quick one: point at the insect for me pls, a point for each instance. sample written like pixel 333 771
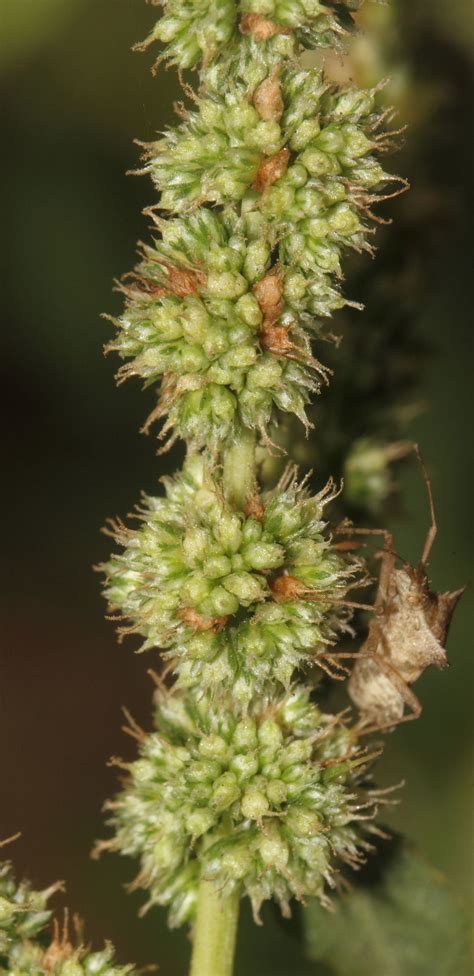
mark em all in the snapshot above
pixel 406 635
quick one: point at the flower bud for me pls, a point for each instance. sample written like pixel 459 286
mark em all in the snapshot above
pixel 270 735
pixel 273 850
pixel 226 284
pixel 261 555
pixel 319 163
pixel 245 587
pixel 343 220
pixel 256 260
pixel 236 862
pixel 244 766
pixel 306 132
pixel 223 601
pixel 254 804
pixel 200 822
pixel 277 792
pixel 217 566
pixel 245 734
pixel 213 747
pixel 225 792
pixel 248 310
pixel 304 823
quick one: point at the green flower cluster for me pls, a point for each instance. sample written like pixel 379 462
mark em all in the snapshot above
pixel 268 802
pixel 193 317
pixel 25 947
pixel 264 184
pixel 198 30
pixel 238 600
pixel 23 912
pixel 215 154
pixel 194 30
pixel 294 174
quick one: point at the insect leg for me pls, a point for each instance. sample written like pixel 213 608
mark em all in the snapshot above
pixel 433 529
pixel 388 557
pixel 405 693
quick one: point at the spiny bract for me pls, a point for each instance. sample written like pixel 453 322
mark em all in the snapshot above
pixel 26 947
pixel 268 802
pixel 237 599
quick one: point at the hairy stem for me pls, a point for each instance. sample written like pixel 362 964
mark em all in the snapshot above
pixel 215 932
pixel 239 469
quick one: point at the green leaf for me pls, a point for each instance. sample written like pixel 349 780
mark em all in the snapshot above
pixel 399 919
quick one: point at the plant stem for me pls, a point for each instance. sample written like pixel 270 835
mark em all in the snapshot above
pixel 215 932
pixel 239 469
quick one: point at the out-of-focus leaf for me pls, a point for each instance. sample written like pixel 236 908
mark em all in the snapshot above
pixel 400 919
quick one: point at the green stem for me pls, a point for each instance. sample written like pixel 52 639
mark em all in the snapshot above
pixel 215 932
pixel 239 469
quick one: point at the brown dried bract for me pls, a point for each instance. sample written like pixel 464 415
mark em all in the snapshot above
pixel 254 508
pixel 406 636
pixel 269 294
pixel 180 282
pixel 276 339
pixel 271 170
pixel 60 948
pixel 287 588
pixel 200 623
pixel 268 98
pixel 260 27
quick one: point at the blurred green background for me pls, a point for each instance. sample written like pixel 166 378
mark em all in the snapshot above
pixel 75 96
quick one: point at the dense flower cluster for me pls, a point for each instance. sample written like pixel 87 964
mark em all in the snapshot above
pixel 224 306
pixel 198 314
pixel 199 30
pixel 26 949
pixel 264 185
pixel 269 802
pixel 239 600
pixel 228 148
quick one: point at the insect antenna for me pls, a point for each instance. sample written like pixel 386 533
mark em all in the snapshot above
pixel 433 529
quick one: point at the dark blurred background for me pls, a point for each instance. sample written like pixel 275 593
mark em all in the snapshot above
pixel 74 97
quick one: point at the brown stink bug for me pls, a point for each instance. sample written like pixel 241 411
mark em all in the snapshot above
pixel 406 635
